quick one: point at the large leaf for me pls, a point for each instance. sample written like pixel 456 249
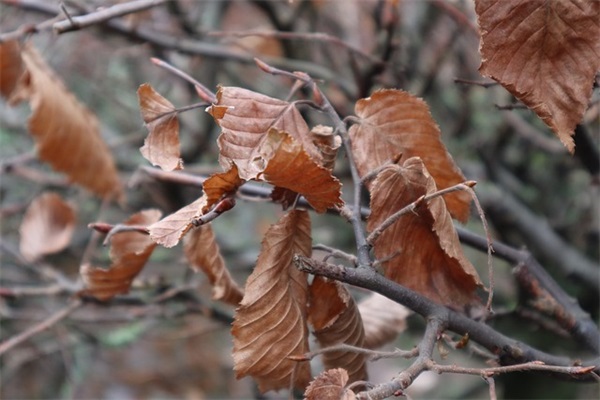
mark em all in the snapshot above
pixel 420 250
pixel 245 117
pixel 203 253
pixel 129 253
pixel 394 122
pixel 383 319
pixel 270 324
pixel 66 132
pixel 161 147
pixel 330 385
pixel 169 230
pixel 289 166
pixel 336 319
pixel 47 226
pixel 546 53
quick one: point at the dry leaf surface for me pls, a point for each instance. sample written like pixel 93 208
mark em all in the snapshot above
pixel 546 53
pixel 47 226
pixel 336 320
pixel 129 253
pixel 383 319
pixel 421 250
pixel 329 385
pixel 203 253
pixel 169 230
pixel 161 146
pixel 11 66
pixel 219 185
pixel 394 122
pixel 270 323
pixel 66 132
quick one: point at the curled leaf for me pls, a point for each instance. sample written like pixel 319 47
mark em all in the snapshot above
pixel 395 122
pixel 383 319
pixel 129 253
pixel 270 323
pixel 47 226
pixel 330 385
pixel 546 53
pixel 65 131
pixel 327 142
pixel 420 250
pixel 169 230
pixel 161 147
pixel 203 253
pixel 219 185
pixel 336 320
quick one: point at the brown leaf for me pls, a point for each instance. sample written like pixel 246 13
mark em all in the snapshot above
pixel 203 253
pixel 546 53
pixel 129 253
pixel 289 166
pixel 394 122
pixel 336 319
pixel 47 226
pixel 327 142
pixel 219 185
pixel 421 250
pixel 169 230
pixel 383 319
pixel 329 385
pixel 245 117
pixel 161 147
pixel 66 132
pixel 11 67
pixel 270 323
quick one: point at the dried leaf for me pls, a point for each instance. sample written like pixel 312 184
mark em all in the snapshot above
pixel 336 319
pixel 270 323
pixel 546 53
pixel 47 226
pixel 327 142
pixel 219 185
pixel 394 122
pixel 245 118
pixel 11 67
pixel 161 147
pixel 289 166
pixel 329 385
pixel 65 131
pixel 203 253
pixel 129 253
pixel 169 230
pixel 383 319
pixel 421 250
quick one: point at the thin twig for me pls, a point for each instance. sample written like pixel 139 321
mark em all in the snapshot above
pixel 372 355
pixel 477 83
pixel 204 93
pixel 40 327
pixel 529 366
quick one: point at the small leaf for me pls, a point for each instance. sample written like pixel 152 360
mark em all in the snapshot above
pixel 329 385
pixel 270 323
pixel 161 147
pixel 394 122
pixel 289 166
pixel 327 142
pixel 219 185
pixel 203 253
pixel 336 319
pixel 245 117
pixel 546 53
pixel 383 319
pixel 65 131
pixel 129 253
pixel 420 250
pixel 169 230
pixel 47 226
pixel 11 67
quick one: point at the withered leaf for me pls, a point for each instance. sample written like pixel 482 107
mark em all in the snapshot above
pixel 66 132
pixel 129 253
pixel 245 117
pixel 289 166
pixel 11 66
pixel 203 253
pixel 329 385
pixel 383 319
pixel 169 230
pixel 546 53
pixel 327 142
pixel 161 147
pixel 420 250
pixel 47 226
pixel 394 122
pixel 270 323
pixel 218 185
pixel 333 314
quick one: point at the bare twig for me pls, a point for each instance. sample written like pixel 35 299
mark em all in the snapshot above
pixel 372 355
pixel 204 93
pixel 476 83
pixel 40 327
